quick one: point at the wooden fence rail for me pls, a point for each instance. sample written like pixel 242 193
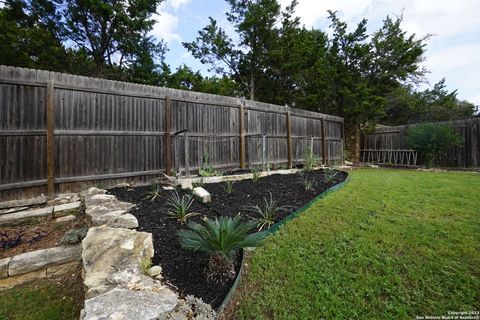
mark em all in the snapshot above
pixel 61 133
pixel 387 145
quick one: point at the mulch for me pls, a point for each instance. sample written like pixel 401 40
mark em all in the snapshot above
pixel 184 269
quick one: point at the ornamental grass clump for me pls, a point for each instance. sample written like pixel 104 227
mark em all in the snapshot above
pixel 179 207
pixel 220 238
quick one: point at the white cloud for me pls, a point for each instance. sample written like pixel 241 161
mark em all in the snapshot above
pixel 176 4
pixel 166 26
pixel 452 53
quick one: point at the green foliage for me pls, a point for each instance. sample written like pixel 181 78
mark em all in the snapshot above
pixel 145 265
pixel 155 191
pixel 311 160
pixel 206 169
pixel 200 182
pixel 179 207
pixel 255 175
pixel 220 237
pixel 400 244
pixel 329 175
pixel 74 236
pixel 431 140
pixel 307 183
pixel 267 214
pixel 229 186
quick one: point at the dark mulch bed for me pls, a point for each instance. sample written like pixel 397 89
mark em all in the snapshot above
pixel 183 268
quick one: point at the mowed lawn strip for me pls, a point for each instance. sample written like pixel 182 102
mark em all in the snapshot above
pixel 391 244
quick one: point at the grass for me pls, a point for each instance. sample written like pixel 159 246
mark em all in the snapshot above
pixel 42 300
pixel 392 244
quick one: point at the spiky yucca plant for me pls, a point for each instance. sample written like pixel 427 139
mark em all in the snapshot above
pixel 179 207
pixel 220 238
pixel 267 214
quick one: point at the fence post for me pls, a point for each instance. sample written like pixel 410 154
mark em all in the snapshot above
pixel 168 136
pixel 289 139
pixel 324 148
pixel 187 154
pixel 264 156
pixel 242 135
pixel 50 140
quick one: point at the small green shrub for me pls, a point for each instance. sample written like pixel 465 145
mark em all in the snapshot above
pixel 311 160
pixel 206 169
pixel 74 236
pixel 431 140
pixel 220 238
pixel 179 207
pixel 268 213
pixel 255 175
pixel 228 187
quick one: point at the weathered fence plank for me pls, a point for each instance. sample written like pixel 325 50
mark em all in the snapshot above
pixel 107 132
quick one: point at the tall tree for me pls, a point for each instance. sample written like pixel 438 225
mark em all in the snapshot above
pixel 255 24
pixel 113 32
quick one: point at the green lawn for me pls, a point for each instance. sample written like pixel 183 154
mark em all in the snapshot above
pixel 392 244
pixel 43 300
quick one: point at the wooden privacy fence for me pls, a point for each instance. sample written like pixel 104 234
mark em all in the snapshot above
pixel 386 145
pixel 61 133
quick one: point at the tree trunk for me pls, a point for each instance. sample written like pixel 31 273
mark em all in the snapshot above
pixel 352 142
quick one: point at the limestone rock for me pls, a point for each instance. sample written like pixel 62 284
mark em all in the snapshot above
pixel 130 305
pixel 67 209
pixel 109 250
pixel 124 221
pixel 11 282
pixel 65 219
pixel 23 203
pixel 93 191
pixel 155 271
pixel 202 194
pixel 99 215
pixel 35 260
pixel 22 216
pixel 12 210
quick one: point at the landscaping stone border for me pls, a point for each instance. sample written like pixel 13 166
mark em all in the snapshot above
pixel 57 211
pixel 271 231
pixel 38 264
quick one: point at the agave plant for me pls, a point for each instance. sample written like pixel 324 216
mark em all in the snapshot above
pixel 179 207
pixel 220 238
pixel 268 213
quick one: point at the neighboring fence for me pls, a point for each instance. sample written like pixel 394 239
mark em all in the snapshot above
pixel 61 133
pixel 387 146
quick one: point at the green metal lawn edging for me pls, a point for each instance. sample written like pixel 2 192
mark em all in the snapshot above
pixel 273 229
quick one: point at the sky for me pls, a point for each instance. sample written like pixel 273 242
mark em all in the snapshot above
pixel 453 50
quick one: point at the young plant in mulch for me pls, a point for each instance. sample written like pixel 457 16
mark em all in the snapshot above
pixel 220 238
pixel 267 214
pixel 228 187
pixel 255 175
pixel 329 175
pixel 206 169
pixel 154 191
pixel 307 183
pixel 311 160
pixel 200 182
pixel 179 207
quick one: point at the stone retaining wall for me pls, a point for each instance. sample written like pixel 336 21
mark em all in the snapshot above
pixel 38 264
